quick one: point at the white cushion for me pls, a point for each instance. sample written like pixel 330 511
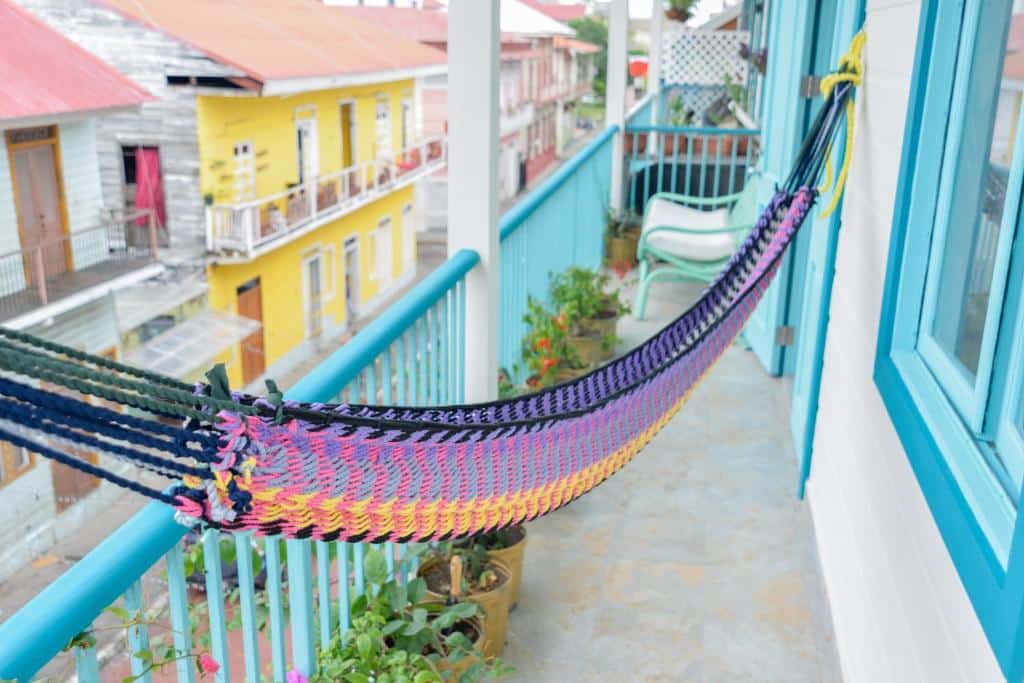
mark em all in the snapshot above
pixel 713 247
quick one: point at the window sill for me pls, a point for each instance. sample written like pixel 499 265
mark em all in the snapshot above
pixel 983 501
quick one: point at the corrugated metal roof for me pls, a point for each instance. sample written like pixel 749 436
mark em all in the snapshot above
pixel 46 74
pixel 282 39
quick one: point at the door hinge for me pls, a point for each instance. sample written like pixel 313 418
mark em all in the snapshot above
pixel 785 335
pixel 810 86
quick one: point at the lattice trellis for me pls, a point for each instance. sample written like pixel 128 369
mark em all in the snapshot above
pixel 704 57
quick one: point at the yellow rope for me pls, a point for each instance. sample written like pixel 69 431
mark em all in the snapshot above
pixel 851 70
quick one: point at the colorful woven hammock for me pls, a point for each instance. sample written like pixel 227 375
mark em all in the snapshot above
pixel 387 473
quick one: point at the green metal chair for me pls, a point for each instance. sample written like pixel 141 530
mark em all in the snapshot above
pixel 681 242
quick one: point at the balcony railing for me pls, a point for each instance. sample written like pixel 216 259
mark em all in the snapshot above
pixel 51 271
pixel 702 162
pixel 247 228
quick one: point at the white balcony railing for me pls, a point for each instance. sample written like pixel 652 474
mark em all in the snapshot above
pixel 244 230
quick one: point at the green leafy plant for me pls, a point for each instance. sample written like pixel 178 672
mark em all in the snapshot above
pixel 678 115
pixel 398 636
pixel 157 656
pixel 582 296
pixel 545 348
pixel 679 10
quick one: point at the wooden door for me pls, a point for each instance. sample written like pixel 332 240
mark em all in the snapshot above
pixel 348 135
pixel 39 203
pixel 250 305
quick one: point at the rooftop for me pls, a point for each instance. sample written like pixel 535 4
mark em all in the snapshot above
pixel 283 44
pixel 45 74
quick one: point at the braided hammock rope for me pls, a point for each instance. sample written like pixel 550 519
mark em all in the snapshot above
pixel 393 473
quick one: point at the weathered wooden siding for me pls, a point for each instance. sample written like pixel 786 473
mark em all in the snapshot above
pixel 147 56
pixel 83 195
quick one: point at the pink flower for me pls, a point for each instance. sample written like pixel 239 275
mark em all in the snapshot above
pixel 295 677
pixel 207 664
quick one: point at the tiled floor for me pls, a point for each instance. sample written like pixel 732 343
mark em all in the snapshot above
pixel 695 563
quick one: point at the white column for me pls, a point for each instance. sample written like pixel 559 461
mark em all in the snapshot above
pixel 654 56
pixel 473 154
pixel 615 91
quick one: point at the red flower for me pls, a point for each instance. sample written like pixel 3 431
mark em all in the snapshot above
pixel 547 364
pixel 543 344
pixel 560 321
pixel 207 664
pixel 621 269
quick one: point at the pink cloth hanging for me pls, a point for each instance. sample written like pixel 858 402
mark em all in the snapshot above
pixel 149 185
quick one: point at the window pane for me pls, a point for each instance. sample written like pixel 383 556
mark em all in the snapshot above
pixel 973 235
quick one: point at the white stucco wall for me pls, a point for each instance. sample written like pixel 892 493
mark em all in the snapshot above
pixel 899 609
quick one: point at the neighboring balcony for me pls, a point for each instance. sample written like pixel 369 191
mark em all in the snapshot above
pixel 42 280
pixel 246 230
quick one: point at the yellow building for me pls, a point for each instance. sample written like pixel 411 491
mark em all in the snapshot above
pixel 307 155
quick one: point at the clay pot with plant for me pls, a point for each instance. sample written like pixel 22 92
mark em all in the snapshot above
pixel 400 632
pixel 465 573
pixel 507 546
pixel 679 10
pixel 546 352
pixel 622 234
pixel 592 312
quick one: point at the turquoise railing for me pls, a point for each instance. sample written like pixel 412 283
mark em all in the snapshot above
pixel 642 112
pixel 702 162
pixel 557 225
pixel 412 353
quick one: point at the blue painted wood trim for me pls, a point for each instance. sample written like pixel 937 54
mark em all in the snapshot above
pixel 518 214
pixel 997 596
pixel 345 364
pixel 829 263
pixel 36 633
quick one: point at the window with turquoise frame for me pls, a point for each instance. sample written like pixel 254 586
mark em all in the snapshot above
pixel 950 363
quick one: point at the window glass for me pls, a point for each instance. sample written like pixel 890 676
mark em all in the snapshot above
pixel 971 242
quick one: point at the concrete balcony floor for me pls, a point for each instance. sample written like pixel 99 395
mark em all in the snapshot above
pixel 696 562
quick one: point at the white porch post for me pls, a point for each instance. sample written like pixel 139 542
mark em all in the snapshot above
pixel 654 57
pixel 473 133
pixel 615 90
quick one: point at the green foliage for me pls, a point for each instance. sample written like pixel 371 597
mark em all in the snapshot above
pixel 618 224
pixel 498 539
pixel 580 294
pixel 477 574
pixel 546 346
pixel 678 115
pixel 594 30
pixel 737 93
pixel 396 636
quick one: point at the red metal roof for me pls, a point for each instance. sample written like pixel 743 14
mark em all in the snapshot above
pixel 564 13
pixel 282 39
pixel 576 45
pixel 46 74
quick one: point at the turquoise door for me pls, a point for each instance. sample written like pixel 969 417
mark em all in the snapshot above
pixel 822 236
pixel 790 39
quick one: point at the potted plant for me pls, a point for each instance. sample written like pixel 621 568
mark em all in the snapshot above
pixel 622 234
pixel 635 142
pixel 451 572
pixel 546 351
pixel 507 546
pixel 592 312
pixel 679 10
pixel 399 633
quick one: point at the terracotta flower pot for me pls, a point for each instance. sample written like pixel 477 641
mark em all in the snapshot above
pixel 493 603
pixel 604 326
pixel 635 142
pixel 512 557
pixel 588 347
pixel 622 249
